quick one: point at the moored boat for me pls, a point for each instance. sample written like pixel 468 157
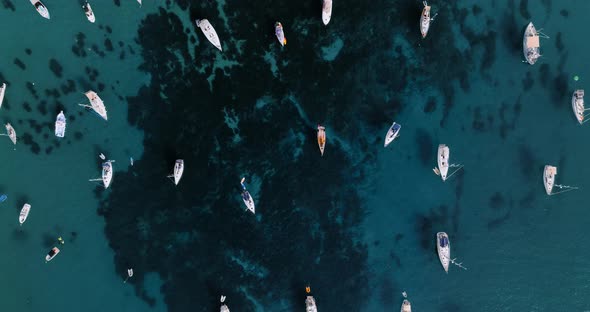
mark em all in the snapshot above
pixel 321 138
pixel 326 11
pixel 406 306
pixel 2 91
pixel 107 173
pixel 178 170
pixel 247 198
pixel 549 174
pixel 443 247
pixel 443 161
pixel 89 13
pixel 223 307
pixel 530 44
pixel 578 105
pixel 279 32
pixel 209 32
pixel 40 7
pixel 425 20
pixel 139 1
pixel 60 125
pixel 96 104
pixel 11 133
pixel 392 133
pixel 310 301
pixel 24 213
pixel 52 253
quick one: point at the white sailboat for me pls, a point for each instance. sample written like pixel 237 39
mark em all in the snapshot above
pixel 392 133
pixel 531 44
pixel 178 170
pixel 89 13
pixel 247 198
pixel 224 307
pixel 326 11
pixel 209 32
pixel 60 125
pixel 40 7
pixel 280 33
pixel 549 174
pixel 578 106
pixel 321 138
pixel 2 91
pixel 425 20
pixel 24 213
pixel 10 133
pixel 96 104
pixel 51 254
pixel 443 247
pixel 406 305
pixel 107 173
pixel 443 157
pixel 310 301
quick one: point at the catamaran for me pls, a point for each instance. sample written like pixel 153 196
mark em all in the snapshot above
pixel 578 106
pixel 549 174
pixel 24 213
pixel 224 307
pixel 530 44
pixel 51 254
pixel 321 138
pixel 425 19
pixel 280 34
pixel 326 11
pixel 392 133
pixel 60 125
pixel 247 198
pixel 40 7
pixel 89 13
pixel 107 173
pixel 406 305
pixel 178 170
pixel 11 133
pixel 443 247
pixel 96 104
pixel 209 32
pixel 443 156
pixel 310 301
pixel 2 90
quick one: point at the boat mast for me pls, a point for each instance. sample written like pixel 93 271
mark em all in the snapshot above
pixel 458 166
pixel 564 188
pixel 459 264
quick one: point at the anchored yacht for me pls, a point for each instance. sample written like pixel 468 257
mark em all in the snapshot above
pixel 24 213
pixel 578 105
pixel 392 133
pixel 40 7
pixel 209 32
pixel 178 171
pixel 530 44
pixel 60 125
pixel 326 11
pixel 321 138
pixel 310 301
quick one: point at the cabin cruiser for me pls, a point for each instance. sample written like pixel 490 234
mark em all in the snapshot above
pixel 60 125
pixel 89 13
pixel 24 213
pixel 51 254
pixel 40 7
pixel 209 32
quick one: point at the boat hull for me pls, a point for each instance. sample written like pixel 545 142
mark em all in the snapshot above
pixel 310 304
pixel 326 11
pixel 406 306
pixel 443 247
pixel 24 213
pixel 60 125
pixel 107 174
pixel 392 134
pixel 425 21
pixel 51 254
pixel 97 104
pixel 443 161
pixel 41 8
pixel 549 174
pixel 280 33
pixel 11 133
pixel 2 91
pixel 178 170
pixel 209 32
pixel 248 201
pixel 322 139
pixel 531 54
pixel 89 13
pixel 578 105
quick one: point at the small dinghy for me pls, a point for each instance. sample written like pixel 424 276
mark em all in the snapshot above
pixel 224 307
pixel 2 91
pixel 549 174
pixel 96 104
pixel 129 274
pixel 11 133
pixel 3 197
pixel 60 125
pixel 107 173
pixel 280 34
pixel 247 198
pixel 406 305
pixel 89 13
pixel 321 138
pixel 425 19
pixel 530 44
pixel 578 105
pixel 24 213
pixel 40 7
pixel 443 247
pixel 443 157
pixel 392 133
pixel 178 170
pixel 209 32
pixel 51 254
pixel 310 301
pixel 326 11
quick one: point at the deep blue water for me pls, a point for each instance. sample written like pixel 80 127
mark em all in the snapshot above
pixel 358 225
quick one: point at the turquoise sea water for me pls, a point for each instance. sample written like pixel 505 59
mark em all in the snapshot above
pixel 357 224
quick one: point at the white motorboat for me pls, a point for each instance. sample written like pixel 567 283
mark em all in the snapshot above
pixel 549 178
pixel 224 307
pixel 51 254
pixel 139 1
pixel 107 173
pixel 578 105
pixel 425 20
pixel 178 170
pixel 310 301
pixel 406 306
pixel 443 246
pixel 280 34
pixel 40 7
pixel 11 133
pixel 89 13
pixel 321 139
pixel 209 32
pixel 247 198
pixel 2 91
pixel 392 133
pixel 60 125
pixel 443 161
pixel 530 44
pixel 326 11
pixel 24 213
pixel 96 104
